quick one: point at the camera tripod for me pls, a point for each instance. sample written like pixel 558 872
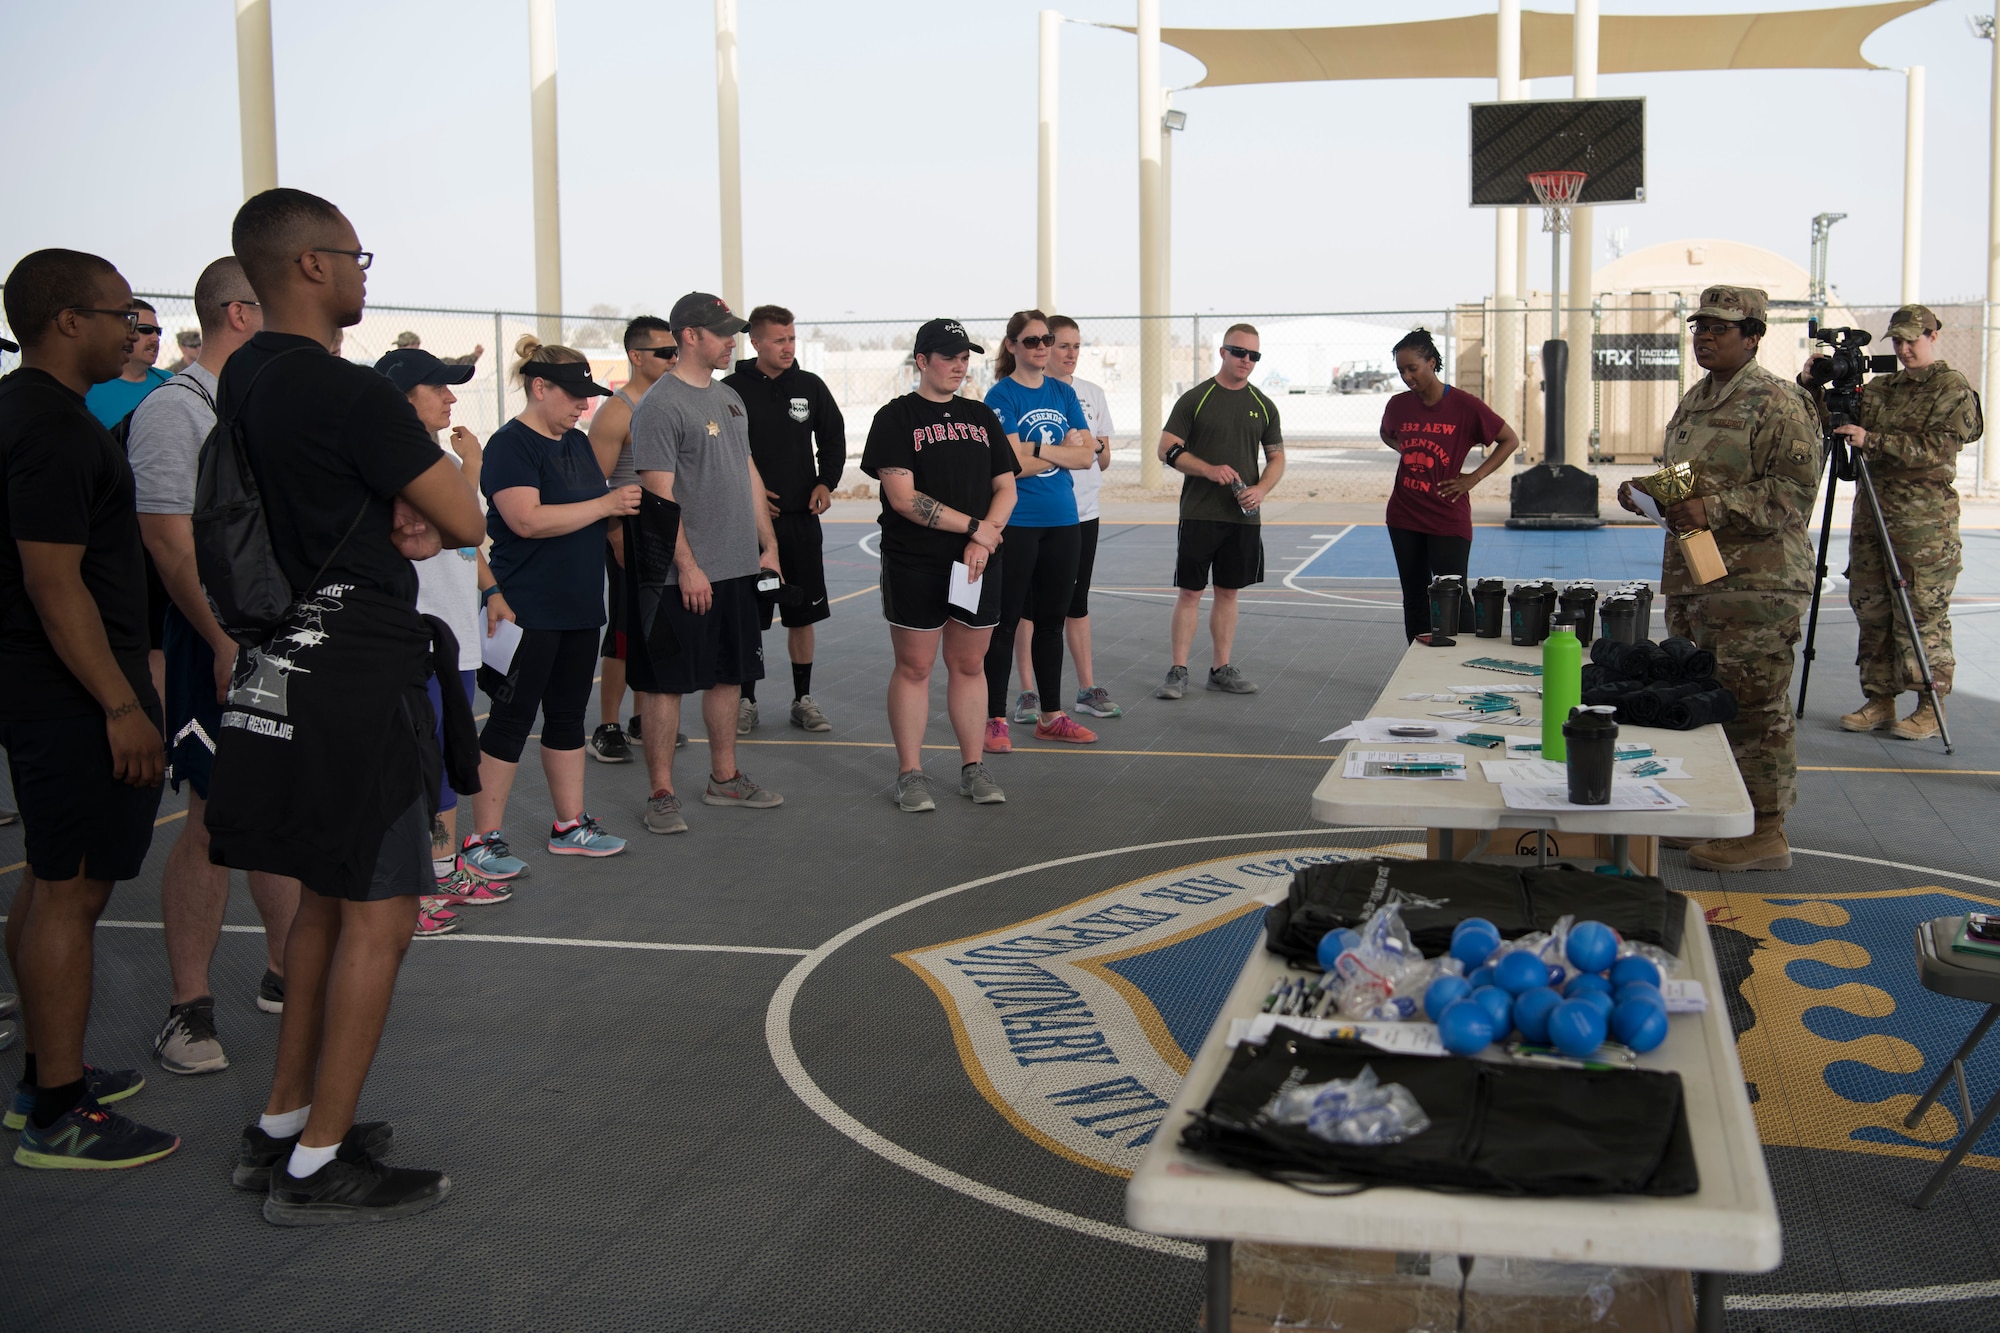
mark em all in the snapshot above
pixel 1845 464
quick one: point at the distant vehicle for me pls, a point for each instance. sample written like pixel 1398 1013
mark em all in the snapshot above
pixel 1364 378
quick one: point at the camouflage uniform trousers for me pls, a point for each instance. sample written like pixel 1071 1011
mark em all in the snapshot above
pixel 1752 635
pixel 1924 528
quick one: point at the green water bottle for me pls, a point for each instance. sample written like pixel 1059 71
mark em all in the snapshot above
pixel 1562 687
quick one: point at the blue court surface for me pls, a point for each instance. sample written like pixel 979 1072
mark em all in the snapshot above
pixel 1606 555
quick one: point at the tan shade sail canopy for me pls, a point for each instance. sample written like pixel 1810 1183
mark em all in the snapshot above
pixel 1468 47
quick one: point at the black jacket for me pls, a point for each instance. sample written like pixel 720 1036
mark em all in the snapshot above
pixel 789 415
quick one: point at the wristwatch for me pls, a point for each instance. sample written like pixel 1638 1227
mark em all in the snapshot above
pixel 1038 448
pixel 971 526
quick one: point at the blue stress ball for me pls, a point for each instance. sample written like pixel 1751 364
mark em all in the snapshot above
pixel 1531 1013
pixel 1442 993
pixel 1333 944
pixel 1480 976
pixel 1465 1027
pixel 1592 946
pixel 1596 999
pixel 1499 1007
pixel 1473 941
pixel 1576 1028
pixel 1474 923
pixel 1520 971
pixel 1586 981
pixel 1635 967
pixel 1640 992
pixel 1640 1025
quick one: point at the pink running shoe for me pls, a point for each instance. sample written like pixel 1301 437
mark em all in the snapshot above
pixel 434 918
pixel 1063 728
pixel 997 739
pixel 462 888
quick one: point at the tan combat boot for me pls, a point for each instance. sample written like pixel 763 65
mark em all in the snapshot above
pixel 1766 849
pixel 1918 726
pixel 1878 712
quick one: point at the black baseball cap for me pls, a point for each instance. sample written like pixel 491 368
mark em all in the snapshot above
pixel 407 367
pixel 573 377
pixel 945 336
pixel 699 310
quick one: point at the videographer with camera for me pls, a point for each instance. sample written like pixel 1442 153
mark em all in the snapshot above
pixel 1755 450
pixel 1911 425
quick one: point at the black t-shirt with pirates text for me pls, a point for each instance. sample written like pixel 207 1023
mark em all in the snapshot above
pixel 953 451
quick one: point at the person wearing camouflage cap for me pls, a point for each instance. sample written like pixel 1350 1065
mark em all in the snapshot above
pixel 1912 425
pixel 1755 450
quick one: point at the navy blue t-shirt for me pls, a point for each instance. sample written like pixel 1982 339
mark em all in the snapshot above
pixel 551 582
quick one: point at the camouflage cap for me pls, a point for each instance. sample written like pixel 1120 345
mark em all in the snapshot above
pixel 1913 321
pixel 1734 304
pixel 408 339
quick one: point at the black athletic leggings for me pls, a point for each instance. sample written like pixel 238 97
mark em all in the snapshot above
pixel 1037 565
pixel 1421 557
pixel 551 673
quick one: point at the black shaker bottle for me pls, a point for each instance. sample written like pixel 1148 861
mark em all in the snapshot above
pixel 1489 602
pixel 1579 607
pixel 1590 736
pixel 1447 594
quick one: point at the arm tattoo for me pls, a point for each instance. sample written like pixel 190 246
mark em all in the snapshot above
pixel 129 706
pixel 926 510
pixel 892 472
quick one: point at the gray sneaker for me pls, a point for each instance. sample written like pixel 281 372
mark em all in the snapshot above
pixel 1230 681
pixel 740 790
pixel 1174 686
pixel 913 792
pixel 663 815
pixel 1028 708
pixel 976 782
pixel 187 1043
pixel 807 717
pixel 746 716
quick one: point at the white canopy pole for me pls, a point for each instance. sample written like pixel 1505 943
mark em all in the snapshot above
pixel 1502 392
pixel 1580 400
pixel 542 138
pixel 1152 250
pixel 1913 184
pixel 729 154
pixel 1045 195
pixel 256 96
pixel 1989 469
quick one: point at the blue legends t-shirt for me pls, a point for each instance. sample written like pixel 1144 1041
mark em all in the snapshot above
pixel 112 401
pixel 1047 414
pixel 551 582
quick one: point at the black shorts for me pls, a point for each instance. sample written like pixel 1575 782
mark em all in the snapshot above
pixel 723 646
pixel 802 565
pixel 1234 551
pixel 916 593
pixel 403 864
pixel 77 817
pixel 614 605
pixel 194 718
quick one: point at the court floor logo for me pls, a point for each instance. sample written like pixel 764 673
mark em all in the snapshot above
pixel 1078 1024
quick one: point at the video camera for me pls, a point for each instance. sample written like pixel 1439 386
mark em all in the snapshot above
pixel 1842 370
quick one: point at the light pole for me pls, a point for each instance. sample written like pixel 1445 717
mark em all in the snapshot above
pixel 256 96
pixel 729 154
pixel 547 191
pixel 1983 26
pixel 1152 250
pixel 1048 104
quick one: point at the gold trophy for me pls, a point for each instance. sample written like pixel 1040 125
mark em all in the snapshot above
pixel 1668 487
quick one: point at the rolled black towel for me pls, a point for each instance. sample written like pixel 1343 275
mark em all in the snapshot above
pixel 1594 676
pixel 1614 692
pixel 1663 666
pixel 1698 710
pixel 1636 661
pixel 1694 663
pixel 1641 707
pixel 1605 653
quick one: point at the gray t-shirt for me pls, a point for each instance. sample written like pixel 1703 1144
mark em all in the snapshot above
pixel 702 436
pixel 164 442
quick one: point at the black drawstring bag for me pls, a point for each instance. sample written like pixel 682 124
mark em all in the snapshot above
pixel 1495 1128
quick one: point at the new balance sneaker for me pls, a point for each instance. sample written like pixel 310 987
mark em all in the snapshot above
pixel 1096 701
pixel 271 993
pixel 187 1043
pixel 488 856
pixel 663 814
pixel 740 790
pixel 103 1086
pixel 1028 707
pixel 89 1138
pixel 807 717
pixel 607 745
pixel 1175 685
pixel 434 918
pixel 1229 680
pixel 746 716
pixel 913 792
pixel 258 1153
pixel 632 732
pixel 462 889
pixel 353 1187
pixel 997 740
pixel 1062 727
pixel 974 781
pixel 588 838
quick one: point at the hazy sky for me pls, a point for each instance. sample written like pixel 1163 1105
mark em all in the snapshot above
pixel 889 154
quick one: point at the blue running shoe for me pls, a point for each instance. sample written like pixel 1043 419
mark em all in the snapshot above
pixel 89 1138
pixel 588 838
pixel 488 856
pixel 103 1086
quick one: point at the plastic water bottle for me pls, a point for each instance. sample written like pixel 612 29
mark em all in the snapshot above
pixel 1562 687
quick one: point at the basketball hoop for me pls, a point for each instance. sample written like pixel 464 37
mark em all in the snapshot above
pixel 1557 191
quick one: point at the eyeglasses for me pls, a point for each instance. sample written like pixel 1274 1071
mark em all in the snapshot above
pixel 1252 357
pixel 362 258
pixel 1713 328
pixel 149 330
pixel 1037 340
pixel 237 300
pixel 668 353
pixel 131 317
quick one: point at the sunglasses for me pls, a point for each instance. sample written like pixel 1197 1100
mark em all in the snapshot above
pixel 131 317
pixel 148 329
pixel 664 353
pixel 1037 340
pixel 1252 357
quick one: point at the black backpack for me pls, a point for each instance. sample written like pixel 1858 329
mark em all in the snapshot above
pixel 246 586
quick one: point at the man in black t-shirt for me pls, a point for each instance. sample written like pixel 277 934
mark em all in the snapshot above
pixel 326 769
pixel 78 713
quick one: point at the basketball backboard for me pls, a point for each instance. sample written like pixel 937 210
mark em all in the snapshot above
pixel 1605 136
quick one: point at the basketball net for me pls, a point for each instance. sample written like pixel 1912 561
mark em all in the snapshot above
pixel 1557 191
